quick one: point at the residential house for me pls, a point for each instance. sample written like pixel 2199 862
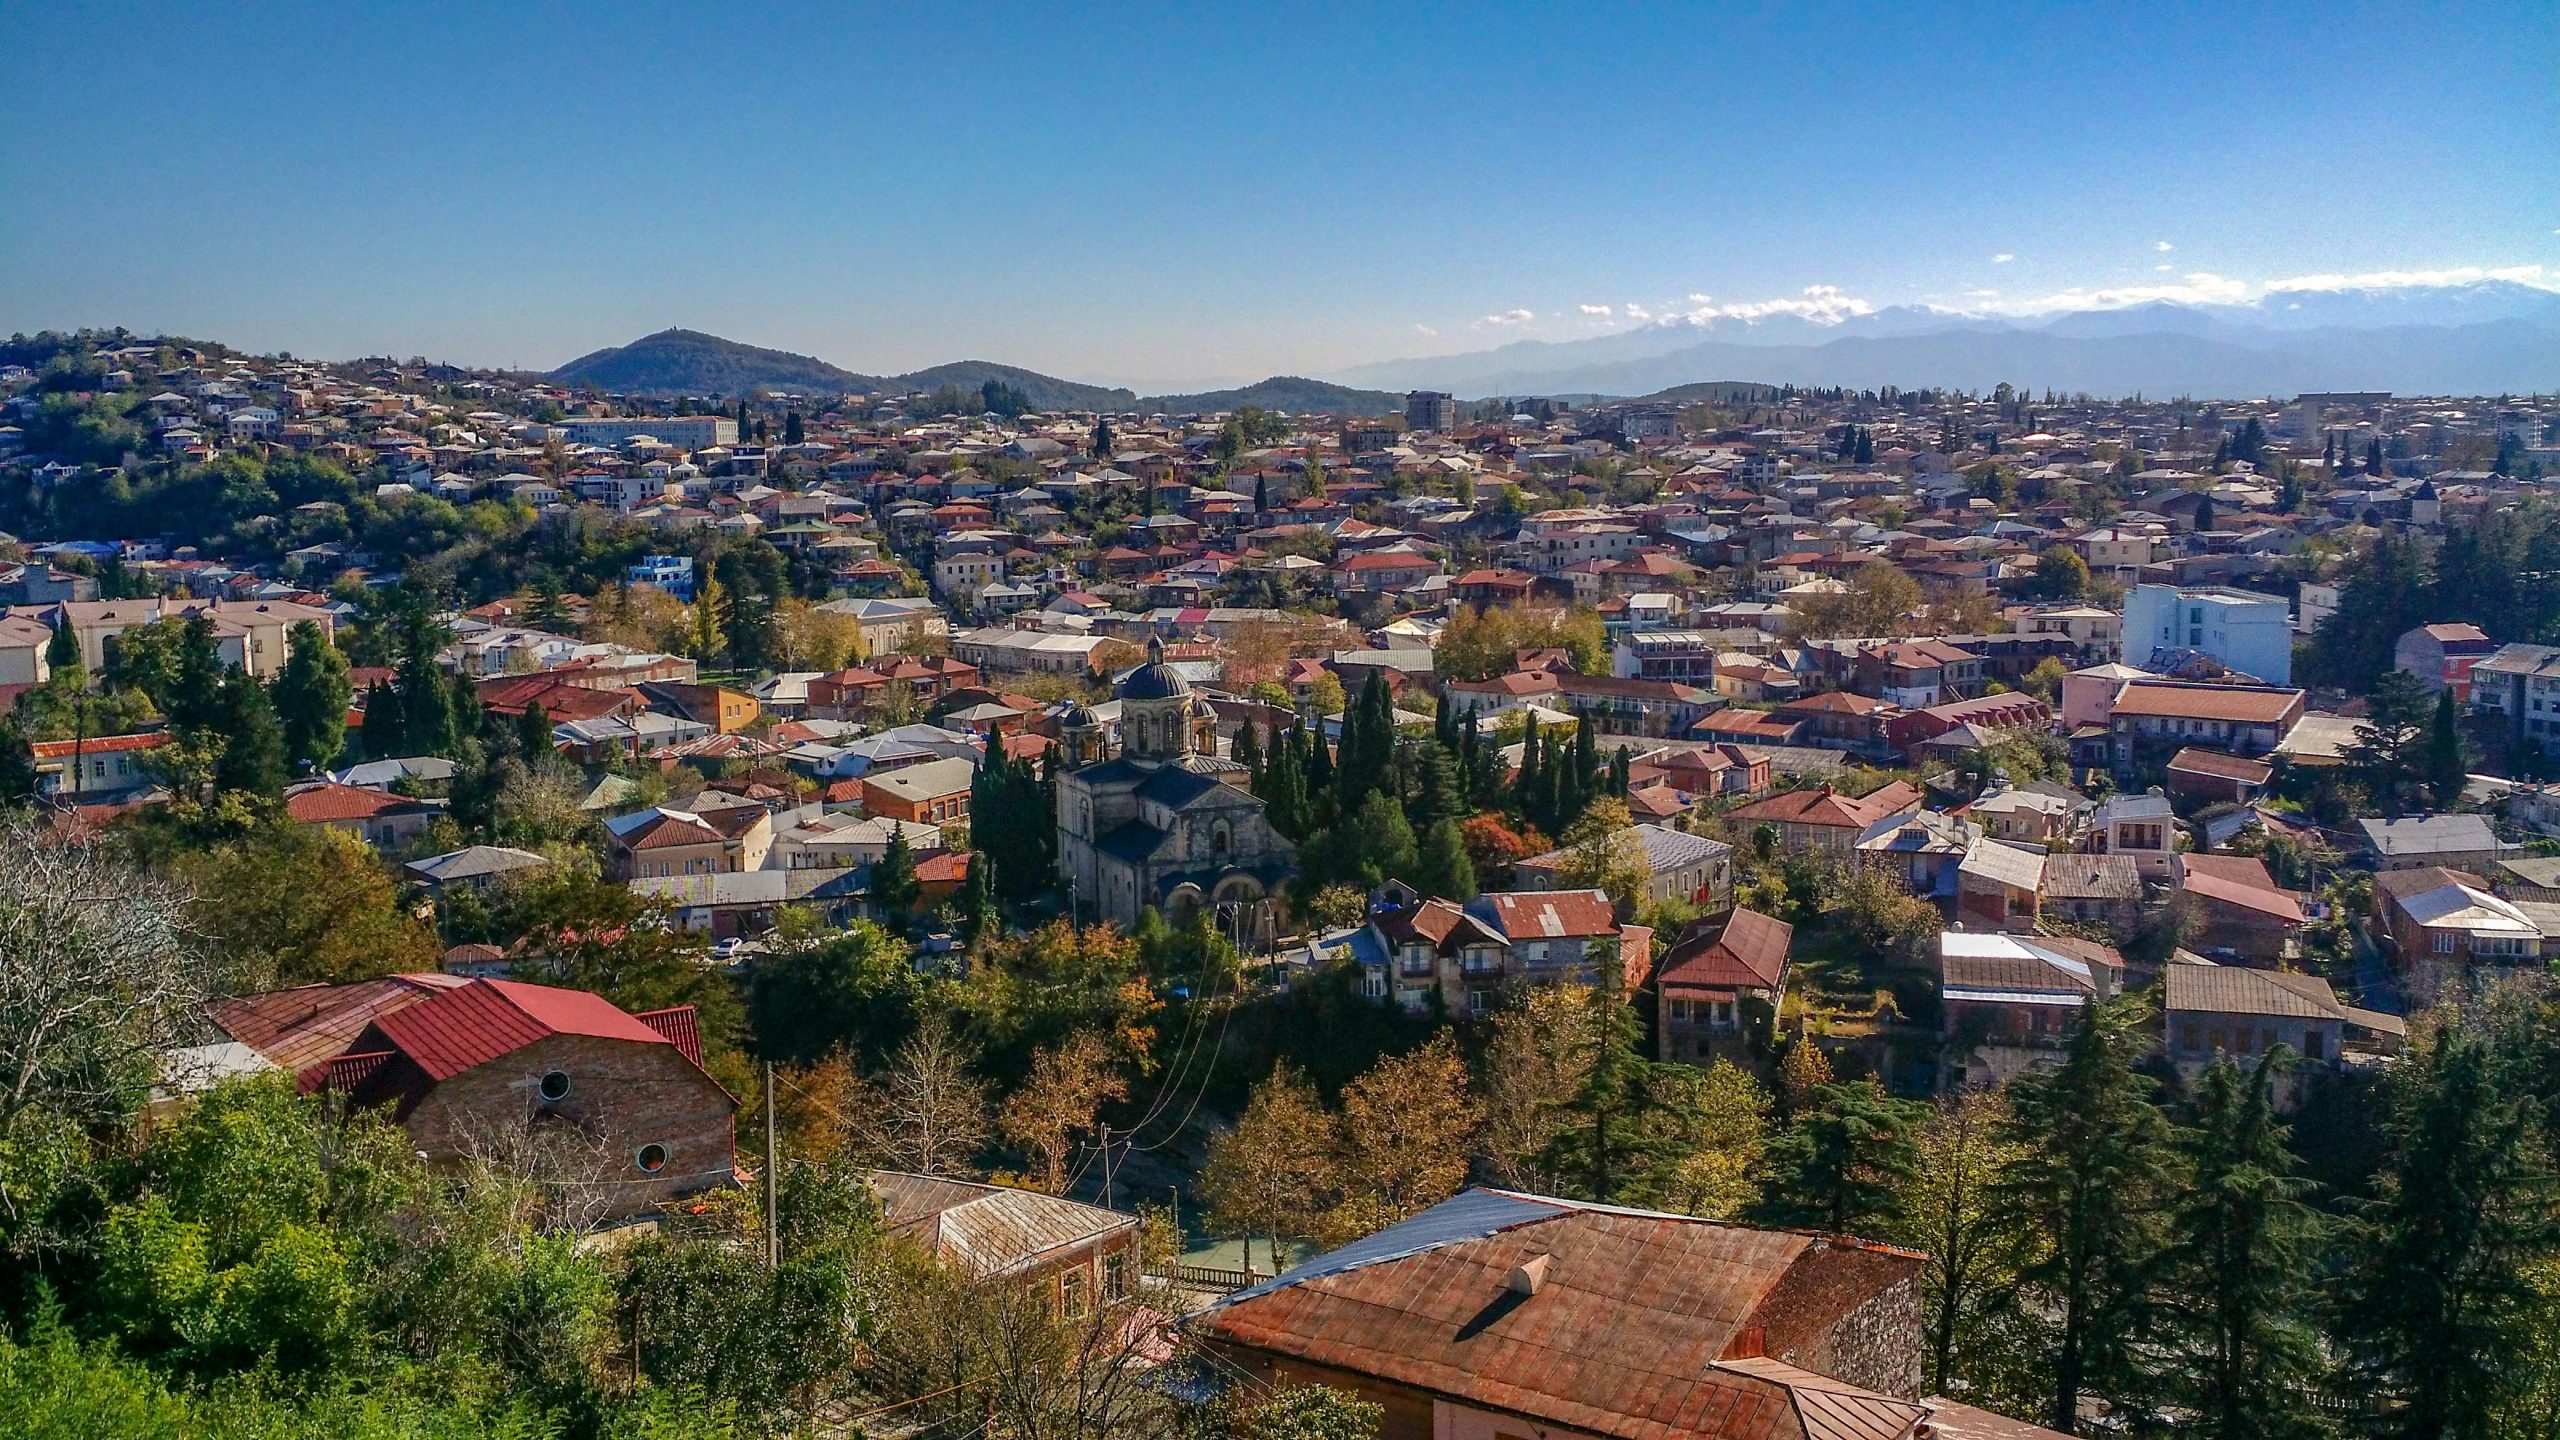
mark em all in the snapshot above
pixel 1712 979
pixel 1418 950
pixel 2212 777
pixel 2210 1011
pixel 97 769
pixel 2159 717
pixel 706 840
pixel 931 793
pixel 1823 821
pixel 2440 919
pixel 1080 1254
pixel 2520 685
pixel 2442 656
pixel 2459 842
pixel 377 817
pixel 2140 826
pixel 1690 869
pixel 475 867
pixel 1495 1314
pixel 2241 913
pixel 471 1066
pixel 2000 885
pixel 2008 1002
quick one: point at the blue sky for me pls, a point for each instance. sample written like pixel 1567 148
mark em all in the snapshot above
pixel 1181 193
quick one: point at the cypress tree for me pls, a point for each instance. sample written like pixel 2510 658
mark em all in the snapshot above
pixel 386 723
pixel 1532 773
pixel 18 778
pixel 1323 795
pixel 2095 1179
pixel 1844 1161
pixel 1248 753
pixel 2239 1266
pixel 2446 769
pixel 62 652
pixel 1443 867
pixel 533 733
pixel 893 880
pixel 253 759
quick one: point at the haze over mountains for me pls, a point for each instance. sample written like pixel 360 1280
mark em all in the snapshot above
pixel 2485 337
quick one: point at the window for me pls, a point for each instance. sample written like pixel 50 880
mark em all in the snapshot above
pixel 555 1085
pixel 652 1158
pixel 1075 1294
pixel 2444 942
pixel 2189 1039
pixel 1680 1011
pixel 1115 1275
pixel 2315 1045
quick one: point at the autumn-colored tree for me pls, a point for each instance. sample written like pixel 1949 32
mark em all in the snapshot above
pixel 290 904
pixel 930 1107
pixel 1069 1083
pixel 1271 1174
pixel 1604 853
pixel 1533 1065
pixel 1721 1115
pixel 1879 600
pixel 1406 1129
pixel 1970 1320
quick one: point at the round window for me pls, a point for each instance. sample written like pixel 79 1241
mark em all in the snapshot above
pixel 555 1085
pixel 653 1157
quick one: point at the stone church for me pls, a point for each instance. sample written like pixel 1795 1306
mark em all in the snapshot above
pixel 1160 819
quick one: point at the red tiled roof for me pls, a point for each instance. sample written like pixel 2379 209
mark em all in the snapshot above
pixel 305 1025
pixel 2241 704
pixel 327 800
pixel 98 745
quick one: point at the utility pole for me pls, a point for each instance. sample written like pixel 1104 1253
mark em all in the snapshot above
pixel 1106 1167
pixel 772 1179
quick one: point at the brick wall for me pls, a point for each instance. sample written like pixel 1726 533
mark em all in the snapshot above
pixel 623 1094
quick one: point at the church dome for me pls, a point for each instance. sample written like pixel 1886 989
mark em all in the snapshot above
pixel 1154 680
pixel 1079 717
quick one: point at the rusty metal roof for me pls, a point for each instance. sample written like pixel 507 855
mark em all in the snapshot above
pixel 308 1024
pixel 988 1229
pixel 1622 1336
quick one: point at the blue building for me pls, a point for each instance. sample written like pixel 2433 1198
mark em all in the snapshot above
pixel 2250 632
pixel 671 573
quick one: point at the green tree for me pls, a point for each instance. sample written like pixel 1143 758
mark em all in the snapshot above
pixel 2061 574
pixel 1609 1137
pixel 1443 867
pixel 2390 745
pixel 2095 1176
pixel 253 760
pixel 2442 1288
pixel 311 698
pixel 2239 1265
pixel 62 652
pixel 1842 1165
pixel 386 723
pixel 18 779
pixel 2446 766
pixel 894 888
pixel 1970 1319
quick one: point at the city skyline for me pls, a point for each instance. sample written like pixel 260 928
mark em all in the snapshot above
pixel 1202 196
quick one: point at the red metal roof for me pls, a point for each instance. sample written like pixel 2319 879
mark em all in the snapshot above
pixel 484 1019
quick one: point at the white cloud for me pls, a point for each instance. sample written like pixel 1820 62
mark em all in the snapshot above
pixel 1821 304
pixel 2534 275
pixel 1602 311
pixel 2163 269
pixel 1422 329
pixel 2003 258
pixel 1509 317
pixel 1638 312
pixel 1695 298
pixel 2163 246
pixel 2204 288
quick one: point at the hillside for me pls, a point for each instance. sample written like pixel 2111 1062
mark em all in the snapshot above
pixel 1046 392
pixel 1292 393
pixel 688 362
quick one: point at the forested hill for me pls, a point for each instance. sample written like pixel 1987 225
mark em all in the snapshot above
pixel 1292 393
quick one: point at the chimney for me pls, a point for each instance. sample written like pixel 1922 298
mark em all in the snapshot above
pixel 1528 1275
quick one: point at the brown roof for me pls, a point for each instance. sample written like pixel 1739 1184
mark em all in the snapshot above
pixel 326 800
pixel 1553 914
pixel 2221 766
pixel 301 1027
pixel 987 1229
pixel 1624 1334
pixel 2092 877
pixel 1744 950
pixel 2237 990
pixel 2249 705
pixel 1825 806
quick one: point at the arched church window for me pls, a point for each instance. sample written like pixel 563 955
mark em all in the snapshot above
pixel 1221 839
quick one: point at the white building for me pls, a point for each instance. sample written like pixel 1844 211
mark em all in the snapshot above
pixel 2250 632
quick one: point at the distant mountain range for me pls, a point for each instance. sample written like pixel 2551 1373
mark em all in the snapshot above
pixel 688 362
pixel 2489 337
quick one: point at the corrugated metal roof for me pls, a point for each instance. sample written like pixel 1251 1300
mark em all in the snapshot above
pixel 988 1229
pixel 308 1024
pixel 484 1019
pixel 1622 1337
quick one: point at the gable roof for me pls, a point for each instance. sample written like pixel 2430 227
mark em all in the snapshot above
pixel 1748 950
pixel 1627 1335
pixel 987 1229
pixel 477 1022
pixel 1550 914
pixel 2239 990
